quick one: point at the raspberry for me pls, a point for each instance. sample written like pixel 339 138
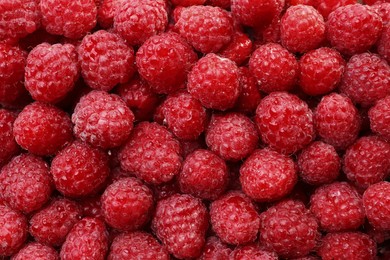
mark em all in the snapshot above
pixel 337 120
pixel 375 201
pixel 384 43
pixel 379 116
pixel 203 175
pixel 302 28
pixel 225 4
pixel 164 61
pixel 181 222
pixel 250 96
pixel 254 13
pixel 289 229
pixel 252 252
pixel 338 207
pixel 232 136
pixel 367 161
pixel 383 10
pixel 9 147
pixel 206 28
pixel 347 245
pixel 137 20
pixel 274 68
pixel 91 207
pixel 72 19
pixel 214 81
pixel 51 71
pixel 268 175
pixel 105 60
pixel 186 3
pixel 366 79
pixel 324 63
pixel 325 7
pixel 88 239
pixel 214 249
pixel 285 122
pixel 152 153
pixel 166 190
pixel 42 129
pixel 51 224
pixel 36 250
pixel 234 218
pixel 106 11
pixel 79 170
pixel 347 28
pixel 127 204
pixel 137 245
pixel 239 48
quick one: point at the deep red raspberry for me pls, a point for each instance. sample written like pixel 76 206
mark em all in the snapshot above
pixel 77 18
pixel 347 245
pixel 379 116
pixel 250 96
pixel 152 153
pixel 214 249
pixel 254 13
pixel 252 252
pixel 372 2
pixel 270 33
pixel 137 245
pixel 91 207
pixel 239 49
pixel 383 43
pixel 88 239
pixel 324 63
pixel 186 3
pixel 206 28
pixel 376 201
pixel 366 79
pixel 34 250
pixel 166 190
pixel 225 4
pixel 285 122
pixel 79 170
pixel 268 175
pixel 203 175
pixel 289 229
pixel 274 68
pixel 137 20
pixel 51 71
pixel 325 7
pixel 232 136
pixel 382 8
pixel 215 82
pixel 337 120
pixel 42 129
pixel 367 161
pixel 9 147
pixel 181 222
pixel 301 2
pixel 106 11
pixel 347 28
pixel 51 224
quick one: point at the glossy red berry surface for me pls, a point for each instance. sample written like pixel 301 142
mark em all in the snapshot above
pixel 379 116
pixel 254 13
pixel 9 145
pixel 36 250
pixel 375 201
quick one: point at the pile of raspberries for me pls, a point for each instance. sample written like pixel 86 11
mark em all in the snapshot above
pixel 194 129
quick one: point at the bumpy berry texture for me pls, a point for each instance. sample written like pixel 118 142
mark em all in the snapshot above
pixel 325 7
pixel 252 251
pixel 383 43
pixel 105 60
pixel 285 122
pixel 79 170
pixel 9 147
pixel 42 129
pixel 379 116
pixel 77 17
pixel 206 28
pixel 239 49
pixel 181 222
pixel 367 161
pixel 215 249
pixel 375 201
pixel 106 11
pixel 250 96
pixel 152 153
pixel 214 81
pixel 186 3
pixel 102 119
pixel 254 13
pixel 34 250
pixel 51 71
pixel 234 218
pixel 225 4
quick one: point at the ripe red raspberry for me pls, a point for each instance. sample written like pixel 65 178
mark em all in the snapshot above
pixel 214 249
pixel 268 175
pixel 285 122
pixel 255 13
pixel 9 146
pixel 338 207
pixel 206 28
pixel 102 119
pixel 34 250
pixel 289 229
pixel 127 204
pixel 105 60
pixel 51 224
pixel 347 28
pixel 337 120
pixel 250 96
pixel 379 116
pixel 319 163
pixel 252 252
pixel 225 4
pixel 234 218
pixel 42 129
pixel 347 245
pixel 77 18
pixel 152 153
pixel 91 207
pixel 79 170
pixel 232 136
pixel 137 245
pixel 215 82
pixel 367 161
pixel 203 175
pixel 239 48
pixel 325 7
pixel 88 239
pixel 164 61
pixel 376 201
pixel 106 11
pixel 366 79
pixel 51 71
pixel 274 68
pixel 181 222
pixel 324 63
pixel 186 3
pixel 137 20
pixel 383 44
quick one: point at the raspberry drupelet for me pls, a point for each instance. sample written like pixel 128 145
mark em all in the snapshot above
pixel 325 7
pixel 106 11
pixel 255 13
pixel 252 251
pixel 383 43
pixel 9 147
pixel 239 49
pixel 379 116
pixel 215 249
pixel 250 96
pixel 376 201
pixel 35 250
